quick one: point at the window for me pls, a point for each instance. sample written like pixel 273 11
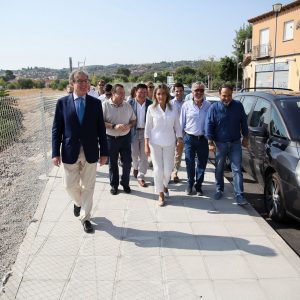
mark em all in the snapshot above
pixel 288 31
pixel 263 43
pixel 261 114
pixel 248 103
pixel 276 126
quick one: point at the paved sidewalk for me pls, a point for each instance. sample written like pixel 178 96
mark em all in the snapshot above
pixel 193 248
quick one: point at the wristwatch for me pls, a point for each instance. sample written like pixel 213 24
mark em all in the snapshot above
pixel 113 126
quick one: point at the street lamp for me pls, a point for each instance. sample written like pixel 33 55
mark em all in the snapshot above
pixel 276 9
pixel 238 64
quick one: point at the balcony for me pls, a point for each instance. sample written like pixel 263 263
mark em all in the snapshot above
pixel 261 51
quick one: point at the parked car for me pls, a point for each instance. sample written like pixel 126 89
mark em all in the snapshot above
pixel 212 99
pixel 272 157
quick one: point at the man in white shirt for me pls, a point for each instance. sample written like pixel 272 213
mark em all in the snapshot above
pixel 177 103
pixel 139 105
pixel 107 93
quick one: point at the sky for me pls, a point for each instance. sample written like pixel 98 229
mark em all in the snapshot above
pixel 102 32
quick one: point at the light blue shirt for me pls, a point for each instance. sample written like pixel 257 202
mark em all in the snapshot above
pixel 192 117
pixel 76 97
pixel 177 104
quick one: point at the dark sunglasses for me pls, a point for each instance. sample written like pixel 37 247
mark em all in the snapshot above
pixel 150 87
pixel 199 90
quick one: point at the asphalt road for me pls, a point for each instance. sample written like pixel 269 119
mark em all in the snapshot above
pixel 289 231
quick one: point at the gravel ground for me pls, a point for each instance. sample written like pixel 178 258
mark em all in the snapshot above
pixel 21 166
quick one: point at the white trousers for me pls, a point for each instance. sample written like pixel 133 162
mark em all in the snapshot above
pixel 163 161
pixel 79 181
pixel 139 158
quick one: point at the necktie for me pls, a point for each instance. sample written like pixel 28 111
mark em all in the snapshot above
pixel 80 109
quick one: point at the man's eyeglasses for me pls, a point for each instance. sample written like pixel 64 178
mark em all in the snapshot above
pixel 199 90
pixel 82 81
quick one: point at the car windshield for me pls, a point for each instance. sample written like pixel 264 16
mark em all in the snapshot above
pixel 290 109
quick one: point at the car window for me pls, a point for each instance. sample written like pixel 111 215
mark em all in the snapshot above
pixel 248 103
pixel 261 114
pixel 290 112
pixel 276 126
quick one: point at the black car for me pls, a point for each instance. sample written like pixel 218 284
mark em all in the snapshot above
pixel 272 157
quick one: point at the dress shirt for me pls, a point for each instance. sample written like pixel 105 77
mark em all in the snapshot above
pixel 192 117
pixel 76 97
pixel 114 114
pixel 178 104
pixel 93 93
pixel 188 97
pixel 141 114
pixel 162 127
pixel 103 98
pixel 225 123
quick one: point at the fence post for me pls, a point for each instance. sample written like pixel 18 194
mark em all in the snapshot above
pixel 44 132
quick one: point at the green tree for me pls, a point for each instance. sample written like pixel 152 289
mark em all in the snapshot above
pixel 184 71
pixel 123 71
pixel 39 84
pixel 9 75
pixel 3 93
pixel 245 32
pixel 25 83
pixel 227 70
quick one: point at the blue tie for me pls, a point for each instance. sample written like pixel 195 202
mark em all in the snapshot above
pixel 80 108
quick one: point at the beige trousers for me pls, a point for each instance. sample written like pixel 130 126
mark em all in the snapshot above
pixel 79 181
pixel 139 158
pixel 177 159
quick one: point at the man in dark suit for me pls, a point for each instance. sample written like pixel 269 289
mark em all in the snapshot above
pixel 77 134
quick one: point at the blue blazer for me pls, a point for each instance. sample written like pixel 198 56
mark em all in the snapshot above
pixel 133 104
pixel 68 134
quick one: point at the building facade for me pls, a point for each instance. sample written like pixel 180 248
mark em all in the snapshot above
pixel 258 62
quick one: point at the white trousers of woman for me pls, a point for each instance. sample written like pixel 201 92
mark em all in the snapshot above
pixel 163 162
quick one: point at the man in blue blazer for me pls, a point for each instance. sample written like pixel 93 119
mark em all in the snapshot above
pixel 79 141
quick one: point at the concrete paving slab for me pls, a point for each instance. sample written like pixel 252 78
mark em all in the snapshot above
pixel 193 247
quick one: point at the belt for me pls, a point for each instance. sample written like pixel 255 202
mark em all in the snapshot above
pixel 199 137
pixel 116 137
pixel 140 128
pixel 230 142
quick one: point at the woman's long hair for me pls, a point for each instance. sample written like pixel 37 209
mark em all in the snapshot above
pixel 167 91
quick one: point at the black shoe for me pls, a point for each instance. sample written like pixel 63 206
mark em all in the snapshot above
pixel 199 192
pixel 126 188
pixel 87 226
pixel 189 190
pixel 114 190
pixel 76 210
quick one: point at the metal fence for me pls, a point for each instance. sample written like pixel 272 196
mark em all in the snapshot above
pixel 25 144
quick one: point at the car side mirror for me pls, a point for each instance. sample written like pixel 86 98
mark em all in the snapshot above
pixel 259 131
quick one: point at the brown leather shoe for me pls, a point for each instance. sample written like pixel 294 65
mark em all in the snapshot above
pixel 142 183
pixel 135 173
pixel 176 179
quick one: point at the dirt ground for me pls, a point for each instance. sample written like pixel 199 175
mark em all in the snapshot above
pixel 32 92
pixel 21 166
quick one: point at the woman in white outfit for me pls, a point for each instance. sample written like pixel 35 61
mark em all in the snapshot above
pixel 162 128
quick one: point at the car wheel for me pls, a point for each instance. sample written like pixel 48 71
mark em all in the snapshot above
pixel 273 198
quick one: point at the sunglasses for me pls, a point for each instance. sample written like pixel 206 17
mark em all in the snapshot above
pixel 199 90
pixel 151 87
